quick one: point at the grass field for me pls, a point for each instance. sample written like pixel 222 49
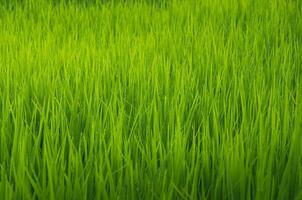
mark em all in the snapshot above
pixel 179 99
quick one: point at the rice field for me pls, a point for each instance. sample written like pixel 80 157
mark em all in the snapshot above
pixel 150 99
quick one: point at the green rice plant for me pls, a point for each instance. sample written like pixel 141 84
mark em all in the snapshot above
pixel 148 99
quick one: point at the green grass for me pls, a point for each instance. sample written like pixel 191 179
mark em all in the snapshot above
pixel 151 99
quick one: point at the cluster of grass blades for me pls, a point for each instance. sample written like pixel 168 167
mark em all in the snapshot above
pixel 147 99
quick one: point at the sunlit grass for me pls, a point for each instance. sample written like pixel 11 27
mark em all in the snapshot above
pixel 151 99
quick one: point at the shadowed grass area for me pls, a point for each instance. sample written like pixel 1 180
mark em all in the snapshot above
pixel 151 99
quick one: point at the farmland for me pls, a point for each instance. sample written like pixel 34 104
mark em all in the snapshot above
pixel 146 99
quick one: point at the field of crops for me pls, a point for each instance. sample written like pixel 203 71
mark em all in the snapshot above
pixel 146 99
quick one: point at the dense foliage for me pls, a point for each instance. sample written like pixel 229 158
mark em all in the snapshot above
pixel 195 99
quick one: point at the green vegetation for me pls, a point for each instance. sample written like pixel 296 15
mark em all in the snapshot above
pixel 151 99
